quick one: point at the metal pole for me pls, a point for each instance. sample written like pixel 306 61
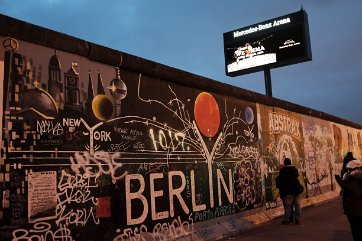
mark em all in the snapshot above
pixel 267 78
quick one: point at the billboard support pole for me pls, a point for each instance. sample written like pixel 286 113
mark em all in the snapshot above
pixel 267 78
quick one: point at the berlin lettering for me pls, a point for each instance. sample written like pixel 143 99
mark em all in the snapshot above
pixel 174 195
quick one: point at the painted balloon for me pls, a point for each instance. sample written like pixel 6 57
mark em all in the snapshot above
pixel 207 114
pixel 249 115
pixel 118 89
pixel 102 107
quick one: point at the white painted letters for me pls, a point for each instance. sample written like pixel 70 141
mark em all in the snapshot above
pixel 135 195
pixel 195 207
pixel 229 193
pixel 154 194
pixel 176 192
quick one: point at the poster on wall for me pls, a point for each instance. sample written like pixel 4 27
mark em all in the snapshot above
pixel 42 196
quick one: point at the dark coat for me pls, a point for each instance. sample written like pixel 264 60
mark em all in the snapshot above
pixel 287 181
pixel 352 193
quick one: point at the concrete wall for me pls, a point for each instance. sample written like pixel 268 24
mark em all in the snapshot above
pixel 102 145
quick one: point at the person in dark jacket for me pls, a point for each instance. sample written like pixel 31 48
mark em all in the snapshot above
pixel 290 189
pixel 351 185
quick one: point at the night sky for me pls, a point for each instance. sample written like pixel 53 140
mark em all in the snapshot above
pixel 188 35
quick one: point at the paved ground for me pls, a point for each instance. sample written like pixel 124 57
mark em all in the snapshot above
pixel 325 222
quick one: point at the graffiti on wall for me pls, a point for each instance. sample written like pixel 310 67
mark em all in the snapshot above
pixel 350 141
pixel 319 156
pixel 91 151
pixel 282 137
pixel 92 147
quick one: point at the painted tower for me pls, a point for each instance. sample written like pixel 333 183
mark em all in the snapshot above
pixel 72 93
pixel 55 85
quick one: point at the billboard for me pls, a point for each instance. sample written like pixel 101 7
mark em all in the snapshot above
pixel 273 43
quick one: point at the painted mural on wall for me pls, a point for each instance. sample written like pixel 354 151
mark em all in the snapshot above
pixel 319 154
pixel 95 152
pixel 346 139
pixel 281 137
pixel 325 146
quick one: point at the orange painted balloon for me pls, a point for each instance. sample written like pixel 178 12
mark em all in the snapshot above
pixel 207 114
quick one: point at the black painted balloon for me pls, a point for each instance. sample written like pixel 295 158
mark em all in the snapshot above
pixel 40 101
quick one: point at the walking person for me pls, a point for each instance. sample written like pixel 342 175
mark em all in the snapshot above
pixel 351 184
pixel 290 189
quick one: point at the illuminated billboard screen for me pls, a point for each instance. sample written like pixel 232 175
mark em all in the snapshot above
pixel 270 44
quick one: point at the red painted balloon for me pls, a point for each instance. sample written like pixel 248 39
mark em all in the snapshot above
pixel 207 114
